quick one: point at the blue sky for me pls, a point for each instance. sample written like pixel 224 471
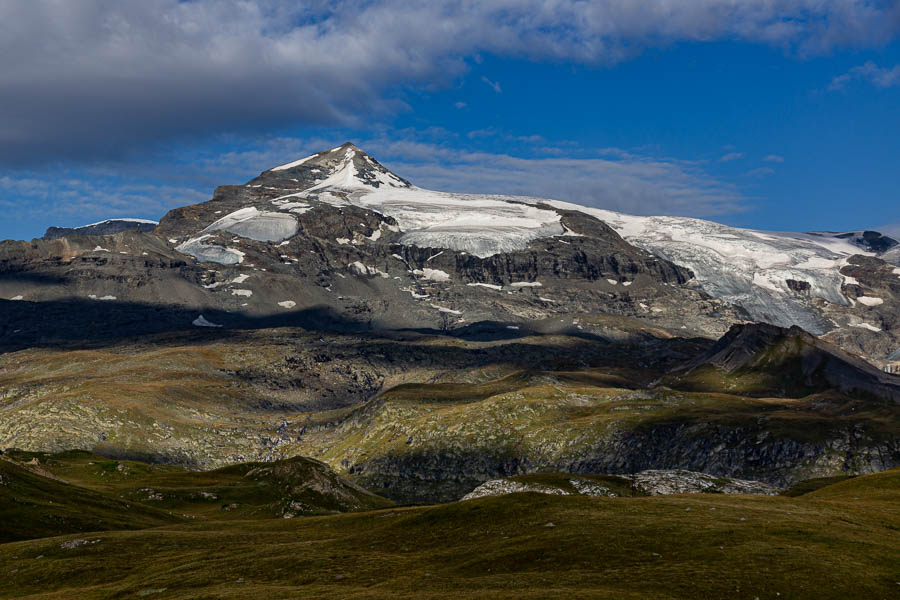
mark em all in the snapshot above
pixel 775 115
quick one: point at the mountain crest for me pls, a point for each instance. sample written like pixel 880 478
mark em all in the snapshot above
pixel 342 167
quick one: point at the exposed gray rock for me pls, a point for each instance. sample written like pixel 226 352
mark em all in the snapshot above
pixel 108 227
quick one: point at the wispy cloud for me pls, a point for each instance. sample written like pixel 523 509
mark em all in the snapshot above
pixel 774 158
pixel 882 77
pixel 492 84
pixel 891 229
pixel 731 156
pixel 608 177
pixel 97 77
pixel 761 172
pixel 611 178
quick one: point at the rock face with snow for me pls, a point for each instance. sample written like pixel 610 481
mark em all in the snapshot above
pixel 338 231
pixel 108 227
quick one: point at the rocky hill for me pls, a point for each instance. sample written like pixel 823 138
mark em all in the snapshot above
pixel 766 359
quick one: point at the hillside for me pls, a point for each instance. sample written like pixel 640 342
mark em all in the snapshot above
pixel 515 546
pixel 32 505
pixel 283 489
pixel 418 417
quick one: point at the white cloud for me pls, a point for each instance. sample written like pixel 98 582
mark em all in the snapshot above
pixel 610 178
pixel 732 156
pixel 761 172
pixel 882 77
pixel 774 158
pixel 80 79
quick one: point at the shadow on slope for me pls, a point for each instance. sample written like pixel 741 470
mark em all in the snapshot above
pixel 766 360
pixel 32 505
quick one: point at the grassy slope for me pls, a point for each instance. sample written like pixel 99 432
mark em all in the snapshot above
pixel 248 490
pixel 36 506
pixel 829 544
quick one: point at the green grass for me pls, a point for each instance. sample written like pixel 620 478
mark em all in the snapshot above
pixel 839 542
pixel 35 506
pixel 295 487
pixel 811 485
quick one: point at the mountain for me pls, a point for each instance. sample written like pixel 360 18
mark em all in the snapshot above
pixel 421 343
pixel 338 234
pixel 107 227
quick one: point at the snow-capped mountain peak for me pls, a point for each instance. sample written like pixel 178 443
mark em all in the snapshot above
pixel 342 167
pixel 805 279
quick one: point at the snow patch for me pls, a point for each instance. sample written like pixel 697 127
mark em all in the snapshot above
pixel 868 326
pixel 490 286
pixel 128 220
pixel 296 163
pixel 251 223
pixel 287 304
pixel 361 269
pixel 432 274
pixel 210 252
pixel 444 309
pixel 244 293
pixel 870 300
pixel 16 298
pixel 524 284
pixel 202 322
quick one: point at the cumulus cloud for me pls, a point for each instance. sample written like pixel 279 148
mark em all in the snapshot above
pixel 96 77
pixel 882 77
